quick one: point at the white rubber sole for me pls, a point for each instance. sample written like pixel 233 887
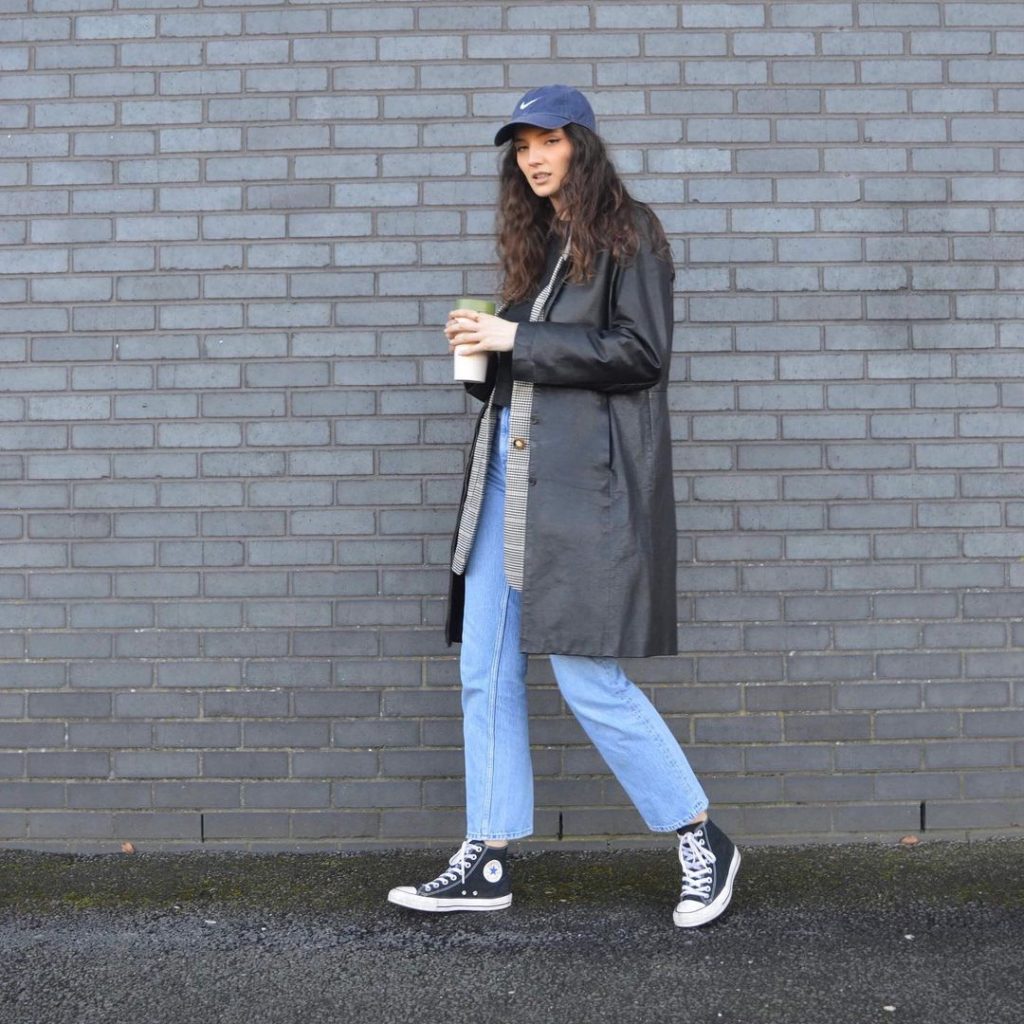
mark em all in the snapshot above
pixel 695 918
pixel 407 896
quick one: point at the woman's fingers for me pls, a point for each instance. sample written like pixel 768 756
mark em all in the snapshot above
pixel 464 338
pixel 470 319
pixel 463 320
pixel 469 328
pixel 459 324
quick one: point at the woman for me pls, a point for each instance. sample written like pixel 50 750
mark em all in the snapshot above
pixel 566 543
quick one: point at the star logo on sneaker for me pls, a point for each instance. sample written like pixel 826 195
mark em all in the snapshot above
pixel 492 870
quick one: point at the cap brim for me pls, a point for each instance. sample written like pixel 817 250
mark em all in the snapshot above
pixel 537 120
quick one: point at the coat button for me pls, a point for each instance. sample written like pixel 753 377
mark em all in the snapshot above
pixel 533 480
pixel 518 443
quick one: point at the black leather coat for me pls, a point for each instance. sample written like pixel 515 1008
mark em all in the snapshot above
pixel 600 559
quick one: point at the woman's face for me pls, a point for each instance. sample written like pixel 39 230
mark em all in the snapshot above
pixel 544 155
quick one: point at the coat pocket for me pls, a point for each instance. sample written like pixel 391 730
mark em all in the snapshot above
pixel 579 447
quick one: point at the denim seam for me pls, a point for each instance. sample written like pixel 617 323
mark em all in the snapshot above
pixel 492 704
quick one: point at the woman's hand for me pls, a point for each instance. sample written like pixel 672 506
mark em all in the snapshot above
pixel 470 332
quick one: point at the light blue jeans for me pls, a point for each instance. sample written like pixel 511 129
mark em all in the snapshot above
pixel 621 722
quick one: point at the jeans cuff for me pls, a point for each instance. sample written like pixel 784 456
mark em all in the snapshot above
pixel 682 822
pixel 500 835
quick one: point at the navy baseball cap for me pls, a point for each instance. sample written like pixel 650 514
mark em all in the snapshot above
pixel 549 106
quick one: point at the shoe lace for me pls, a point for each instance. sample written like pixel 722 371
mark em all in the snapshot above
pixel 459 863
pixel 696 860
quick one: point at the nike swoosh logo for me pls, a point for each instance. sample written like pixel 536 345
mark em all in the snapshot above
pixel 523 106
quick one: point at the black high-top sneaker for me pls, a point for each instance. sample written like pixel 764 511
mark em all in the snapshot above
pixel 476 879
pixel 710 862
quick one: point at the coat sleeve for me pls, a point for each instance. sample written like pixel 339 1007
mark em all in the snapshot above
pixel 630 354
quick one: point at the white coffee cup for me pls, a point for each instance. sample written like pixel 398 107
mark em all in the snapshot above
pixel 472 367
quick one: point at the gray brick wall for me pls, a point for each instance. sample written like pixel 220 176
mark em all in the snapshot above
pixel 230 452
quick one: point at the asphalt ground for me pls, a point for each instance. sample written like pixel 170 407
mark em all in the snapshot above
pixel 814 935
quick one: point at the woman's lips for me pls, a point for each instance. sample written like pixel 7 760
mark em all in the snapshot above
pixel 540 178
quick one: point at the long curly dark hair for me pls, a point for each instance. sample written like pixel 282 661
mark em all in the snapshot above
pixel 601 212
